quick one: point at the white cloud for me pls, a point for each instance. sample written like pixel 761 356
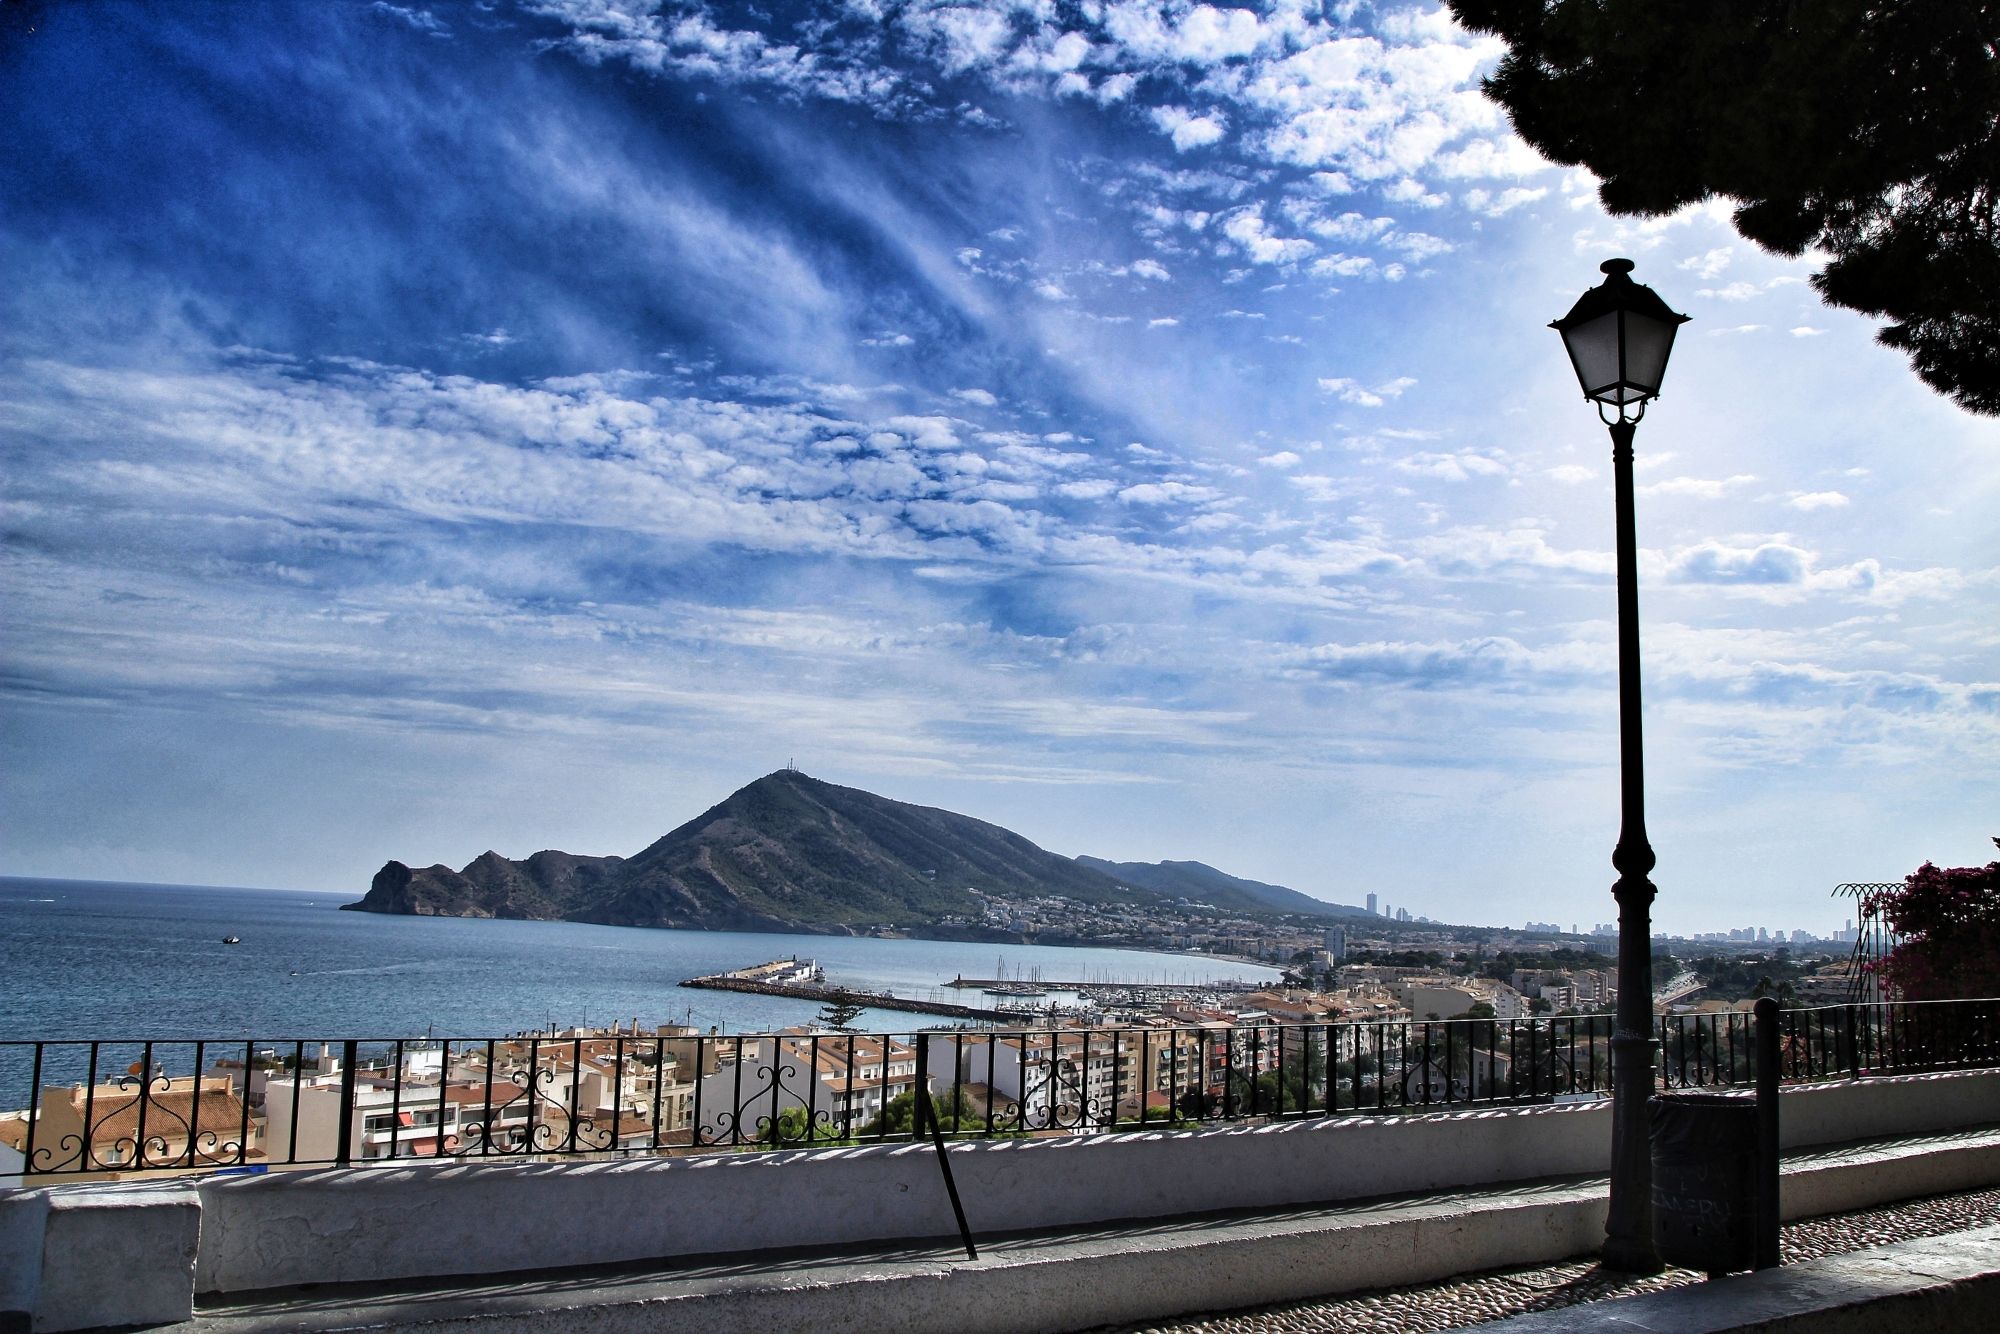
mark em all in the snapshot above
pixel 1699 488
pixel 1818 500
pixel 1284 458
pixel 1709 265
pixel 1489 204
pixel 1411 191
pixel 1187 129
pixel 1418 246
pixel 1461 466
pixel 1168 493
pixel 1151 270
pixel 979 397
pixel 1716 563
pixel 1392 105
pixel 1246 227
pixel 1353 391
pixel 421 19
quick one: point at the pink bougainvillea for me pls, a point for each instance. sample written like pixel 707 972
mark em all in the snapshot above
pixel 1949 920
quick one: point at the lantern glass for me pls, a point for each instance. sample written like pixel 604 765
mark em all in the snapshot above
pixel 1593 349
pixel 1619 335
pixel 1647 343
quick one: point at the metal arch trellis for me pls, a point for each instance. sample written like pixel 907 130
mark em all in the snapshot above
pixel 1873 940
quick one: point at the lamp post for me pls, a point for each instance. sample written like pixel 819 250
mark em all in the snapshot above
pixel 1618 336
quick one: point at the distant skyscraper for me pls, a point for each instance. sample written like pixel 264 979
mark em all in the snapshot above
pixel 1336 943
pixel 1371 904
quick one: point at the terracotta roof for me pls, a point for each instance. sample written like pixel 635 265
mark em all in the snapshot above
pixel 169 1115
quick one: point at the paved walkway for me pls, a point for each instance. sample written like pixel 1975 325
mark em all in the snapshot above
pixel 1478 1298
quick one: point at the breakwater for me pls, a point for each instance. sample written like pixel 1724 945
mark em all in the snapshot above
pixel 1091 988
pixel 874 1000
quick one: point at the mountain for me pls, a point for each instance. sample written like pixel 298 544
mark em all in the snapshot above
pixel 785 853
pixel 1202 883
pixel 549 886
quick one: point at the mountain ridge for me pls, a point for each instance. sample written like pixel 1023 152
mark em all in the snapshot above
pixel 1203 883
pixel 791 853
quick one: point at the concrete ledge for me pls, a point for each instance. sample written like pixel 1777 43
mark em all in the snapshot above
pixel 1940 1285
pixel 1842 1110
pixel 1861 1176
pixel 421 1221
pixel 119 1255
pixel 1078 1279
pixel 1021 1285
pixel 381 1224
pixel 23 1223
pixel 130 1253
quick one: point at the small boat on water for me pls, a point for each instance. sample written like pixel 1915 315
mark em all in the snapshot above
pixel 232 940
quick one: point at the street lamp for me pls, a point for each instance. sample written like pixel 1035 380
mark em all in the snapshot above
pixel 1618 336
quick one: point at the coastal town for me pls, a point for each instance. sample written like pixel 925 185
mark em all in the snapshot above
pixel 1354 1017
pixel 1189 926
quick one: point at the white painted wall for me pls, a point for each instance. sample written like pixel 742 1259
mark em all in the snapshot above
pixel 341 1226
pixel 437 1219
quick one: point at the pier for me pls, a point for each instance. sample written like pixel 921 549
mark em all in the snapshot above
pixel 758 980
pixel 803 980
pixel 1086 988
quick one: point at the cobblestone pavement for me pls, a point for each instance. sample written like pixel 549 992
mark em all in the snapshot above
pixel 1477 1298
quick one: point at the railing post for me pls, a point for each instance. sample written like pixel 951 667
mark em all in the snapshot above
pixel 28 1160
pixel 1767 1215
pixel 343 1152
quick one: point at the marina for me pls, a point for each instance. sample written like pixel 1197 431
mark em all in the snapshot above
pixel 1003 986
pixel 1021 1000
pixel 787 978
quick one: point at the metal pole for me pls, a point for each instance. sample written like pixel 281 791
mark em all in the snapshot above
pixel 350 1052
pixel 1628 1227
pixel 924 1111
pixel 1767 1215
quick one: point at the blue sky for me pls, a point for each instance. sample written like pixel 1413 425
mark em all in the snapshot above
pixel 517 425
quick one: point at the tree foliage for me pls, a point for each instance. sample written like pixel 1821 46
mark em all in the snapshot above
pixel 1949 921
pixel 795 1127
pixel 1506 963
pixel 1743 976
pixel 840 1013
pixel 1863 131
pixel 899 1116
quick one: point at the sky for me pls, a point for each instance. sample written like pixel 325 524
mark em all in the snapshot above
pixel 519 424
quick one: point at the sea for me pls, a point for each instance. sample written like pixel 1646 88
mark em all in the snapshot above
pixel 129 962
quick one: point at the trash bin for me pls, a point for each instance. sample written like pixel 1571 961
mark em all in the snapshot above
pixel 1705 1180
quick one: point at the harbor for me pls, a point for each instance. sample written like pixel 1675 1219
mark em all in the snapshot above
pixel 805 980
pixel 1020 999
pixel 1036 986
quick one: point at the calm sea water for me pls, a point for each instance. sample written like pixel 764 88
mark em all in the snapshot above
pixel 84 959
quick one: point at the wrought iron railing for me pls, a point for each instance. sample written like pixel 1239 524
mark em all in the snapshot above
pixel 119 1108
